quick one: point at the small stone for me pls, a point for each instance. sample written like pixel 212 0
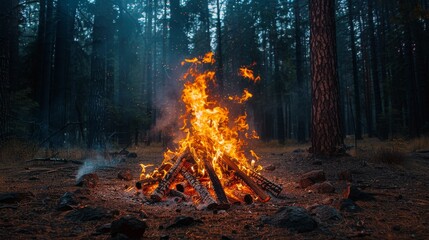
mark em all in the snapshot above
pixel 67 202
pixel 324 187
pixel 183 221
pixel 355 194
pixel 132 155
pixel 88 214
pixel 293 218
pixel 248 199
pixel 225 238
pixel 270 168
pixel 312 177
pixel 14 197
pixel 396 228
pixel 327 201
pixel 326 213
pixel 164 237
pixel 349 205
pixel 125 174
pixel 317 162
pixel 89 180
pixel 298 150
pixel 345 175
pixel 103 229
pixel 129 226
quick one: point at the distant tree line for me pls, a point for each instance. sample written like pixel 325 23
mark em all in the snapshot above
pixel 96 72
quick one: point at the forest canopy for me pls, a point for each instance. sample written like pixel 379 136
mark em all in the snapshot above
pixel 99 72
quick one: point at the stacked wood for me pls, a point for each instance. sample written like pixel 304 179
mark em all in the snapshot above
pixel 182 164
pixel 206 198
pixel 264 197
pixel 168 179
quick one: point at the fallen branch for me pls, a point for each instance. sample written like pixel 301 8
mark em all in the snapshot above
pixel 266 184
pixel 62 160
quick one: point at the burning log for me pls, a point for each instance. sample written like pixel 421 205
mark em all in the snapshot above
pixel 217 186
pixel 168 179
pixel 206 198
pixel 265 183
pixel 247 180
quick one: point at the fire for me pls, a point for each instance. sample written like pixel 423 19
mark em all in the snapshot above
pixel 214 139
pixel 248 73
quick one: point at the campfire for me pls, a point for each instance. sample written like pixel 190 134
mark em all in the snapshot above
pixel 210 165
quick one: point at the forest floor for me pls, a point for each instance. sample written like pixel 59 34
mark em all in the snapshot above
pixel 395 173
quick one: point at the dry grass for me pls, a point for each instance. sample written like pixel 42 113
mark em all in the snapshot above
pixel 16 150
pixel 389 156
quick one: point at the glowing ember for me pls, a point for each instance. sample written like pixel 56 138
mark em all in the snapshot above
pixel 213 146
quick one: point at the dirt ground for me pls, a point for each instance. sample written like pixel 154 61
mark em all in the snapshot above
pixel 400 209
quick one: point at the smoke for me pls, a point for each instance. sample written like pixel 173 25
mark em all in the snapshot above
pixel 170 108
pixel 92 165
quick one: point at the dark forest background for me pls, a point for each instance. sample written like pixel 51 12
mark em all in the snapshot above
pixel 97 72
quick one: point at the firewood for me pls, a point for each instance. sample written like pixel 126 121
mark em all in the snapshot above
pixel 168 179
pixel 205 196
pixel 266 184
pixel 264 197
pixel 217 185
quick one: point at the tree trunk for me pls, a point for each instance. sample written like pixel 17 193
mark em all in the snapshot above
pixel 327 134
pixel 379 118
pixel 5 12
pixel 46 68
pixel 357 120
pixel 60 104
pixel 219 72
pixel 97 85
pixel 299 72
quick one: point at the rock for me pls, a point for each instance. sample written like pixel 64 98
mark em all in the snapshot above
pixel 89 180
pixel 225 238
pixel 88 214
pixel 349 205
pixel 270 168
pixel 129 226
pixel 317 162
pixel 293 218
pixel 248 199
pixel 324 187
pixel 183 221
pixel 14 197
pixel 326 213
pixel 103 229
pixel 345 175
pixel 125 174
pixel 298 150
pixel 132 155
pixel 355 194
pixel 312 177
pixel 120 236
pixel 67 202
pixel 164 237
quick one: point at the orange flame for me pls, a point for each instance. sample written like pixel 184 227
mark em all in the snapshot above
pixel 248 73
pixel 210 134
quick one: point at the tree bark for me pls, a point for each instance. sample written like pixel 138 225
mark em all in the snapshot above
pixel 219 74
pixel 327 134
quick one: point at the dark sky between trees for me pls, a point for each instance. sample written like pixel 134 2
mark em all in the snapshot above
pixel 91 73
